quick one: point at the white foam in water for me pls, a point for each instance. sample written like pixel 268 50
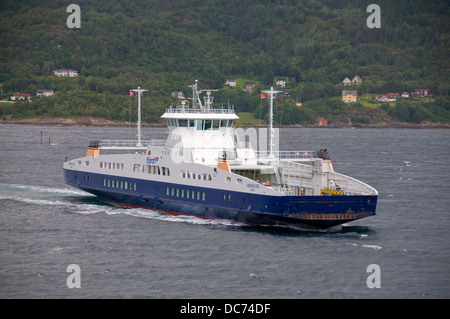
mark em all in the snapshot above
pixel 43 189
pixel 153 214
pixel 376 247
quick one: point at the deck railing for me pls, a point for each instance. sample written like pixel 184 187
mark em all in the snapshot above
pixel 129 143
pixel 199 110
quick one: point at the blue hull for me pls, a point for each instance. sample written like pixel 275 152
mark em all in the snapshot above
pixel 306 212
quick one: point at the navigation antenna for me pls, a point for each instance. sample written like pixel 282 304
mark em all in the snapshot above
pixel 139 92
pixel 196 101
pixel 271 93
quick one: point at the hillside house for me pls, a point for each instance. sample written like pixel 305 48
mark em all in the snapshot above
pixel 356 80
pixel 20 96
pixel 349 96
pixel 387 98
pixel 66 72
pixel 321 121
pixel 230 82
pixel 347 82
pixel 281 82
pixel 248 86
pixel 44 92
pixel 421 93
pixel 178 94
pixel 405 95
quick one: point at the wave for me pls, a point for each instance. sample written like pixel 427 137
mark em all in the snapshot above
pixel 80 202
pixel 376 247
pixel 43 189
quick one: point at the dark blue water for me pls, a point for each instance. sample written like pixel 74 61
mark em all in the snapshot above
pixel 133 253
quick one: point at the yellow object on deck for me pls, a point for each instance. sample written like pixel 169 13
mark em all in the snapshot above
pixel 324 192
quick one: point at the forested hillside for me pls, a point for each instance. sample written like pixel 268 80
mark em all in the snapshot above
pixel 165 45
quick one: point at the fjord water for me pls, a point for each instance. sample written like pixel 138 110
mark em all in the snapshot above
pixel 45 226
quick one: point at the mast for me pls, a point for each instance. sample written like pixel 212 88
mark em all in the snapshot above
pixel 139 135
pixel 271 93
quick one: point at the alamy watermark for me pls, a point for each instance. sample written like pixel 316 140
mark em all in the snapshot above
pixel 212 144
pixel 74 279
pixel 374 20
pixel 374 279
pixel 73 20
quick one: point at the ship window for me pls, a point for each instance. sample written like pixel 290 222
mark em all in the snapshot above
pixel 183 174
pixel 121 184
pixel 239 181
pixel 198 195
pixel 126 185
pixel 199 176
pixel 182 123
pixel 207 125
pixel 203 196
pixel 187 193
pixel 182 193
pixel 215 124
pixel 223 123
pixel 227 179
pixel 230 123
pixel 178 192
pixel 104 182
pixel 109 183
pixel 167 191
pixel 134 186
pixel 173 191
pixel 192 123
pixel 199 125
pixel 229 197
pixel 224 197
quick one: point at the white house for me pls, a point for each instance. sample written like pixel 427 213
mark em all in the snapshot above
pixel 347 82
pixel 281 82
pixel 20 96
pixel 44 92
pixel 356 80
pixel 66 72
pixel 230 82
pixel 178 94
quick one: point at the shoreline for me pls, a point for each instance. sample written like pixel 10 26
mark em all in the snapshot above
pixel 89 121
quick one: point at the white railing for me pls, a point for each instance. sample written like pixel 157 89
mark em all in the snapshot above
pixel 198 110
pixel 287 154
pixel 350 185
pixel 130 143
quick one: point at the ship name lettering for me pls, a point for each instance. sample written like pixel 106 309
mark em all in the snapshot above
pixel 151 160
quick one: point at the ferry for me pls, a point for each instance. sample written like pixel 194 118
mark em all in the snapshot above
pixel 205 169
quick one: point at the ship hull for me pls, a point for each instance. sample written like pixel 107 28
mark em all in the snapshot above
pixel 303 212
